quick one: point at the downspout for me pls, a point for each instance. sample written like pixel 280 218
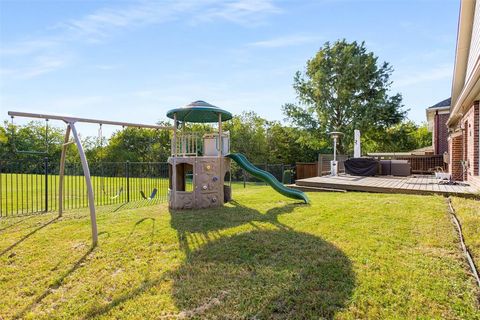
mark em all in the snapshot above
pixel 436 132
pixel 464 161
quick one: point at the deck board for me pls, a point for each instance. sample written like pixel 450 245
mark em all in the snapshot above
pixel 418 184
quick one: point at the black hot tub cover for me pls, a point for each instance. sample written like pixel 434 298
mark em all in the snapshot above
pixel 361 166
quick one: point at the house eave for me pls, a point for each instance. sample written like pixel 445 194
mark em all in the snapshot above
pixel 469 93
pixel 464 35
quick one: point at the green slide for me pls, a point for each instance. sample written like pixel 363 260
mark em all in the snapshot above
pixel 267 177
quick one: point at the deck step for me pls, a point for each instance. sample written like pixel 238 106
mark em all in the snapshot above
pixel 314 189
pixel 422 185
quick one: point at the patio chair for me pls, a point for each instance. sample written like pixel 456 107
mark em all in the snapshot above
pixel 400 168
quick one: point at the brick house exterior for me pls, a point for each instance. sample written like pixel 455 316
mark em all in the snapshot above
pixel 463 122
pixel 437 116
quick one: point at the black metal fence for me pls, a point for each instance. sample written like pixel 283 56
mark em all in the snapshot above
pixel 32 185
pixel 283 173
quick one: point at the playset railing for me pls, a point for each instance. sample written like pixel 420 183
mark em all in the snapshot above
pixel 188 144
pixel 193 144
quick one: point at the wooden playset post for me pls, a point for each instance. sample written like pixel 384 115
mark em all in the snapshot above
pixel 174 164
pixel 220 154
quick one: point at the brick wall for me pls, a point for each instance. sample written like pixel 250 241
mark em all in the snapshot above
pixel 455 145
pixel 476 137
pixel 442 134
pixel 465 146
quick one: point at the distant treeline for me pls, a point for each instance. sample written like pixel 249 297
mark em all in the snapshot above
pixel 262 141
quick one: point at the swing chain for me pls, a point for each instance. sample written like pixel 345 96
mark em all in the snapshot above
pixel 13 132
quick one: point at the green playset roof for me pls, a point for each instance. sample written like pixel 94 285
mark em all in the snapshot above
pixel 199 111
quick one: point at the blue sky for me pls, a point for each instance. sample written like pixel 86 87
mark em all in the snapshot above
pixel 134 60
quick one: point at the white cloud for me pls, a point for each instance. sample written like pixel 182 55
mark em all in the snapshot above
pixel 437 73
pixel 244 12
pixel 103 22
pixel 38 66
pixel 106 67
pixel 27 47
pixel 285 41
pixel 106 22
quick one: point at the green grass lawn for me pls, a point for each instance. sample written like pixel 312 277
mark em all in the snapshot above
pixel 347 256
pixel 25 193
pixel 468 213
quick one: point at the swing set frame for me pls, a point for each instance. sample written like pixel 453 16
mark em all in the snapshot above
pixel 71 129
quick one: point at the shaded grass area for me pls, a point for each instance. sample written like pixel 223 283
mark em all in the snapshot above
pixel 346 256
pixel 468 213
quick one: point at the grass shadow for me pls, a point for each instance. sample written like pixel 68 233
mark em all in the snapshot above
pixel 146 284
pixel 136 204
pixel 265 274
pixel 260 274
pixel 17 222
pixel 208 222
pixel 28 235
pixel 55 284
pixel 152 232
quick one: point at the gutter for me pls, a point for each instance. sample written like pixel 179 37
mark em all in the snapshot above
pixel 462 50
pixel 465 98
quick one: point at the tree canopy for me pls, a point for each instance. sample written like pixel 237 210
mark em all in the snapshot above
pixel 343 88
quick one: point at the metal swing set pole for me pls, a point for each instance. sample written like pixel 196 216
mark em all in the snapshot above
pixel 70 121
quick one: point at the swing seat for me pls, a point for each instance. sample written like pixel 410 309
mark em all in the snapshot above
pixel 154 193
pixel 120 191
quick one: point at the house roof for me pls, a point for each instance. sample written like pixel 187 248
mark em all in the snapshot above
pixel 444 103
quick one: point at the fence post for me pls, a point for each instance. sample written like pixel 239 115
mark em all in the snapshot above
pixel 320 164
pixel 127 172
pixel 1 193
pixel 266 169
pixel 244 179
pixel 46 183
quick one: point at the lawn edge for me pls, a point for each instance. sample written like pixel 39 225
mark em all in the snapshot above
pixel 466 251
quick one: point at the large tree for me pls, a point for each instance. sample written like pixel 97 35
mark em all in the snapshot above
pixel 343 88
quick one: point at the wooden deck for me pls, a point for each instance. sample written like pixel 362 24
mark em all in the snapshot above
pixel 417 184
